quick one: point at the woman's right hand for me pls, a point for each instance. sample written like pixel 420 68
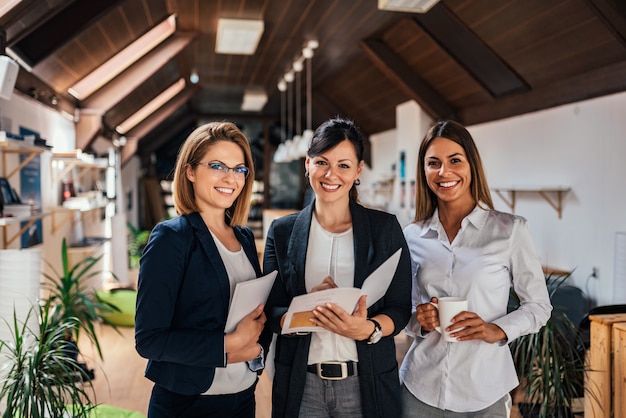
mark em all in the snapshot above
pixel 247 333
pixel 427 315
pixel 327 283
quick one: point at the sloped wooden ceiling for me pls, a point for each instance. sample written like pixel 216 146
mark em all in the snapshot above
pixel 471 60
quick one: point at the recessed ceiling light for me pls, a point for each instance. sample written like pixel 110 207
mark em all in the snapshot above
pixel 238 36
pixel 254 100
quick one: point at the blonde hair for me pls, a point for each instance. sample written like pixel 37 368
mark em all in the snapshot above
pixel 425 199
pixel 193 150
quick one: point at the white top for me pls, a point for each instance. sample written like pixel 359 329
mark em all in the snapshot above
pixel 235 377
pixel 330 254
pixel 491 251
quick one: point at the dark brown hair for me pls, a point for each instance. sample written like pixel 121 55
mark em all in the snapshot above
pixel 330 134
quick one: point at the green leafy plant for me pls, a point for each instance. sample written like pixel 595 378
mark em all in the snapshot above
pixel 38 378
pixel 137 240
pixel 550 363
pixel 70 298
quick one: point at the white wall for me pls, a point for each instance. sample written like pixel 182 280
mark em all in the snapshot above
pixel 581 146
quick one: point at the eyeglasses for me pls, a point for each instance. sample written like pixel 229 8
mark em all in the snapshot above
pixel 221 170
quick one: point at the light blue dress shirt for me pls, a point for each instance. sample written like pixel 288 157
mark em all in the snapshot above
pixel 492 251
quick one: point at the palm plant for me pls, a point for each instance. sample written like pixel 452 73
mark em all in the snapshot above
pixel 37 378
pixel 70 298
pixel 551 363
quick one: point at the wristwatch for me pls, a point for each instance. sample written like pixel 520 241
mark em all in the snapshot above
pixel 377 334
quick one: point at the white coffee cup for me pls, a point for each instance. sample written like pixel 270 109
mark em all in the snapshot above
pixel 448 308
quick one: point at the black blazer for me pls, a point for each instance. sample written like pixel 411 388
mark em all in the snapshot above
pixel 182 304
pixel 377 235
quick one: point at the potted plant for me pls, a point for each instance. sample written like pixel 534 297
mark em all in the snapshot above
pixel 137 240
pixel 37 378
pixel 550 363
pixel 69 297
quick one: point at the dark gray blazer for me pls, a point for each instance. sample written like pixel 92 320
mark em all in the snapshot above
pixel 182 304
pixel 377 235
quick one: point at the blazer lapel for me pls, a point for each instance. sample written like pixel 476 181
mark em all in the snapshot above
pixel 296 251
pixel 363 250
pixel 205 239
pixel 249 249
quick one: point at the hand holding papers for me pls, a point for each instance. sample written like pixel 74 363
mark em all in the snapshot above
pixel 375 286
pixel 247 296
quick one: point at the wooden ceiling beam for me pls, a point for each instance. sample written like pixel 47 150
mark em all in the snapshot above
pixel 600 82
pixel 154 120
pixel 56 29
pixel 165 132
pixel 403 76
pixel 470 51
pixel 117 89
pixel 613 14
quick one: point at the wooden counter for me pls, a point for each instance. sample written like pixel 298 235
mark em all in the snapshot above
pixel 608 338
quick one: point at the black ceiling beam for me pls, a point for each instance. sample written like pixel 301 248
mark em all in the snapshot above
pixel 412 84
pixel 59 29
pixel 470 52
pixel 600 82
pixel 168 129
pixel 613 14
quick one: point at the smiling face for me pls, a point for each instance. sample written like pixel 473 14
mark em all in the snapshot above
pixel 214 189
pixel 448 172
pixel 333 173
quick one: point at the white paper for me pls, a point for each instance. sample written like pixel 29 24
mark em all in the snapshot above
pixel 246 297
pixel 301 307
pixel 377 283
pixel 375 287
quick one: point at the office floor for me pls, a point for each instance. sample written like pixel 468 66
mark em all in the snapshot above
pixel 120 381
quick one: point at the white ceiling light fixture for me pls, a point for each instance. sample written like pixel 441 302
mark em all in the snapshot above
pixel 411 6
pixel 238 36
pixel 124 59
pixel 150 107
pixel 194 77
pixel 307 135
pixel 254 100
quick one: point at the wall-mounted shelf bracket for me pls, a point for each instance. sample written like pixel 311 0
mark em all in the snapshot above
pixel 546 192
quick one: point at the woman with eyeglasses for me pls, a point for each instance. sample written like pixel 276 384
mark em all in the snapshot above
pixel 348 369
pixel 188 272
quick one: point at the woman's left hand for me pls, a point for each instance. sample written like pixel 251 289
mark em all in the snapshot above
pixel 335 319
pixel 474 328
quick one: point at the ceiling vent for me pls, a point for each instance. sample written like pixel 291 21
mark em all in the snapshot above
pixel 411 6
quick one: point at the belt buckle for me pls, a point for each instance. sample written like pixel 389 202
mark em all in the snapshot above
pixel 344 370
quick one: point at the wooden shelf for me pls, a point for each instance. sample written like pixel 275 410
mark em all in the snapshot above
pixel 15 220
pixel 66 162
pixel 62 215
pixel 15 146
pixel 545 192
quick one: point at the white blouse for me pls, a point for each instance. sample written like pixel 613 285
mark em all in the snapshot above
pixel 330 254
pixel 492 251
pixel 235 377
